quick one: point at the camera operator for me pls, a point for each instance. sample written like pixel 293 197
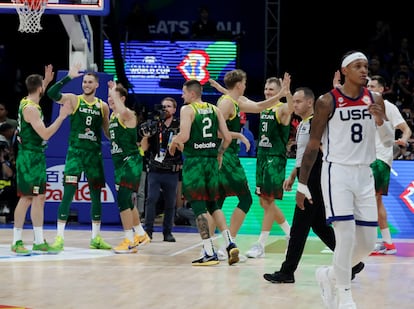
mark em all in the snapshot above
pixel 164 169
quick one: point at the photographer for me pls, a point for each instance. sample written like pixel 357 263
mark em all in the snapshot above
pixel 164 169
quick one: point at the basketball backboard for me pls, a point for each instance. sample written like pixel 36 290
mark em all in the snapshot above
pixel 72 7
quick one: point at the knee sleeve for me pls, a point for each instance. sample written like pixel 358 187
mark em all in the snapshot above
pixel 64 207
pixel 366 236
pixel 245 202
pixel 124 199
pixel 345 241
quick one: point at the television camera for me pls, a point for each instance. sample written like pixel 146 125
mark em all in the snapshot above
pixel 155 119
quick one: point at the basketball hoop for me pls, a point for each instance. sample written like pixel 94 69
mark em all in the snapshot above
pixel 30 12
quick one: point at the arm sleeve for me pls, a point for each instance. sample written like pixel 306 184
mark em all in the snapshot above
pixel 54 91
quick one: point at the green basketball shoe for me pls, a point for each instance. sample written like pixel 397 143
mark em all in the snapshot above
pixel 19 249
pixel 99 243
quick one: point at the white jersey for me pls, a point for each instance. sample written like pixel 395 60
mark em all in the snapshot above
pixel 395 118
pixel 349 136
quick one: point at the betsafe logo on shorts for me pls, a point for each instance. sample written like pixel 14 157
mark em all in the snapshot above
pixel 54 187
pixel 194 66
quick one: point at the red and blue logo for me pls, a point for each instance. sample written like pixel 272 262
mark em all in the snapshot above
pixel 194 66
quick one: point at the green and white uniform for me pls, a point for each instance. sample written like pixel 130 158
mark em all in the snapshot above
pixel 232 177
pixel 84 155
pixel 200 168
pixel 84 152
pixel 31 161
pixel 271 154
pixel 125 154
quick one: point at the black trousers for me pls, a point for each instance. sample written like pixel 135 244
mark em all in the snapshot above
pixel 313 216
pixel 168 183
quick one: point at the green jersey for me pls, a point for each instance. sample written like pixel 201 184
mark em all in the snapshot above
pixel 27 136
pixel 273 136
pixel 233 124
pixel 203 141
pixel 123 139
pixel 86 124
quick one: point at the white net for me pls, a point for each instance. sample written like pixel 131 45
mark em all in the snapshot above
pixel 30 13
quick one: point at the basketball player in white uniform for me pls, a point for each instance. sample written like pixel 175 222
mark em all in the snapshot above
pixel 345 121
pixel 381 167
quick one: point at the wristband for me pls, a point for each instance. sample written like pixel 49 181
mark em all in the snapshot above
pixel 304 190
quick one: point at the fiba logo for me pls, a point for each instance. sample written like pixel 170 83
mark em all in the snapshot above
pixel 54 187
pixel 407 196
pixel 194 66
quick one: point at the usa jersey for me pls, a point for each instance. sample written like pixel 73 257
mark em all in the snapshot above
pixel 349 136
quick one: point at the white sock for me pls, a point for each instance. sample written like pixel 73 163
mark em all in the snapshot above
pixel 96 228
pixel 208 246
pixel 285 227
pixel 264 235
pixel 227 237
pixel 61 229
pixel 38 235
pixel 130 235
pixel 17 234
pixel 139 230
pixel 386 235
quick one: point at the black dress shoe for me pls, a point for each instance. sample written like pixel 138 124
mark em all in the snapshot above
pixel 149 233
pixel 357 269
pixel 279 277
pixel 169 238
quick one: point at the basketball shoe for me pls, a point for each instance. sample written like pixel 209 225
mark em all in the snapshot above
pixel 19 249
pixel 126 246
pixel 141 240
pixel 383 248
pixel 44 248
pixel 206 260
pixel 99 243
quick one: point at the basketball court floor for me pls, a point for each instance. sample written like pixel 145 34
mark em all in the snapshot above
pixel 160 275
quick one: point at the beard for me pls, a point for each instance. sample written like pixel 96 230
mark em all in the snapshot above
pixel 88 93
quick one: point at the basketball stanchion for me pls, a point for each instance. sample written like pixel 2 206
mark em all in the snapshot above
pixel 30 13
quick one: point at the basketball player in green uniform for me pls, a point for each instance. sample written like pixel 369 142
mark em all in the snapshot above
pixel 233 180
pixel 198 139
pixel 128 167
pixel 89 116
pixel 274 129
pixel 31 162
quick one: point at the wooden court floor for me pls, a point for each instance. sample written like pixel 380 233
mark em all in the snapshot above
pixel 160 275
